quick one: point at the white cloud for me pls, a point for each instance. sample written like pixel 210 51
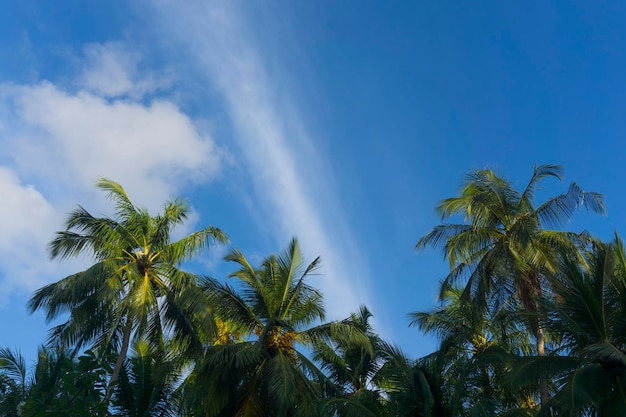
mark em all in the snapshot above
pixel 76 138
pixel 216 39
pixel 111 70
pixel 60 141
pixel 26 224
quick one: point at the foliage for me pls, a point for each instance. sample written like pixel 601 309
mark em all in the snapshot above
pixel 135 286
pixel 58 386
pixel 504 248
pixel 352 365
pixel 278 313
pixel 589 311
pixel 147 384
pixel 163 342
pixel 475 354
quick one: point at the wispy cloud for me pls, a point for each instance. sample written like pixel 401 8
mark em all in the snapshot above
pixel 112 70
pixel 269 138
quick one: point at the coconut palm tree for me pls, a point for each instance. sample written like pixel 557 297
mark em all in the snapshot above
pixel 135 287
pixel 277 313
pixel 474 354
pixel 148 384
pixel 589 311
pixel 413 387
pixel 14 382
pixel 60 384
pixel 505 249
pixel 352 366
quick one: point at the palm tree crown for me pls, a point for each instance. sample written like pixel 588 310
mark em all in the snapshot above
pixel 589 313
pixel 504 247
pixel 135 284
pixel 277 313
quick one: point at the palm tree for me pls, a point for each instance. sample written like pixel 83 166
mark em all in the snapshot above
pixel 135 286
pixel 352 366
pixel 275 312
pixel 474 354
pixel 59 385
pixel 413 387
pixel 14 382
pixel 147 384
pixel 10 397
pixel 589 311
pixel 504 249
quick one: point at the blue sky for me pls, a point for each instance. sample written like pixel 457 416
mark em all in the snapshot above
pixel 341 123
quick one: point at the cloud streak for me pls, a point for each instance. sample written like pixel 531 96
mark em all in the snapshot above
pixel 217 42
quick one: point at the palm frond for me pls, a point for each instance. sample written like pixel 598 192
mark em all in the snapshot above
pixel 116 193
pixel 439 236
pixel 227 304
pixel 539 173
pixel 13 364
pixel 560 209
pixel 192 244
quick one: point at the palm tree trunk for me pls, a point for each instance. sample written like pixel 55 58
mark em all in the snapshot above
pixel 121 357
pixel 487 392
pixel 544 396
pixel 529 295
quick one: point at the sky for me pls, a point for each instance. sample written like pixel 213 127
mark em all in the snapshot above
pixel 342 123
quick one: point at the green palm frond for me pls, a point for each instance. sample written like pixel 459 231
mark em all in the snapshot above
pixel 526 201
pixel 439 236
pixel 192 244
pixel 561 208
pixel 465 246
pixel 581 389
pixel 116 193
pixel 227 304
pixel 13 365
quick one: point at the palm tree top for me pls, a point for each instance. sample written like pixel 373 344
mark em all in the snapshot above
pixel 277 291
pixel 487 198
pixel 135 286
pixel 504 248
pixel 132 232
pixel 495 211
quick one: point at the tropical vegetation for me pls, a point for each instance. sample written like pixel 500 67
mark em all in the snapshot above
pixel 531 321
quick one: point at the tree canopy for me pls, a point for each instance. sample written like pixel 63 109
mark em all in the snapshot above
pixel 530 322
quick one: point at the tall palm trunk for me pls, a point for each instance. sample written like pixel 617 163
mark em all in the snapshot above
pixel 487 391
pixel 121 357
pixel 540 343
pixel 529 294
pixel 544 396
pixel 540 340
